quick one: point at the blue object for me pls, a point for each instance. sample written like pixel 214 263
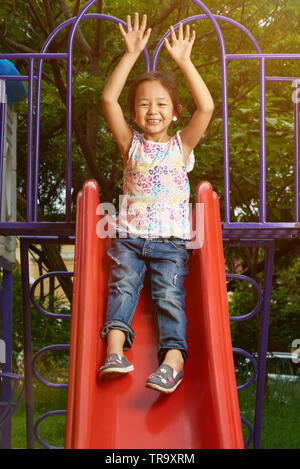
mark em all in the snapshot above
pixel 15 90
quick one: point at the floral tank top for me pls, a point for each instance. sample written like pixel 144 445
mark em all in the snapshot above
pixel 156 190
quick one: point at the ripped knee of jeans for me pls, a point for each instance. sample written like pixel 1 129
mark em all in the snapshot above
pixel 115 260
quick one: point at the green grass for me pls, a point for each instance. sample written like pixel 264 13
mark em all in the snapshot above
pixel 281 423
pixel 52 429
pixel 280 428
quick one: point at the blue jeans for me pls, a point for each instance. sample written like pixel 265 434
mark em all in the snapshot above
pixel 166 260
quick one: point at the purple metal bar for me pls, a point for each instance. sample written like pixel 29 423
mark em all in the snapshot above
pixel 37 282
pixel 30 139
pixel 281 79
pixel 263 345
pixel 37 228
pixel 263 79
pixel 47 415
pixel 27 343
pixel 63 231
pixel 264 301
pixel 260 226
pixel 262 172
pixel 37 142
pixel 35 55
pixel 46 349
pixel 28 361
pixel 246 242
pixel 255 370
pixel 38 231
pixel 50 239
pixel 245 421
pixel 9 405
pixel 218 31
pixel 69 99
pixel 16 77
pixel 213 19
pixel 263 56
pixel 2 134
pixel 38 113
pixel 72 21
pixel 261 234
pixel 6 314
pixel 225 108
pixel 230 56
pixel 296 152
pixel 260 296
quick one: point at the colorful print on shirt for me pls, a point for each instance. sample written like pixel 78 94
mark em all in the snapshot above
pixel 156 189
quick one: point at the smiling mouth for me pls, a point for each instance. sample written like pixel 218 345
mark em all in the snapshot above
pixel 153 121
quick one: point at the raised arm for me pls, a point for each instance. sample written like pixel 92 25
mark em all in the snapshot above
pixel 180 51
pixel 135 40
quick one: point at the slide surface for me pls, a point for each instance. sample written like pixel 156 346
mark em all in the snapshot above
pixel 203 412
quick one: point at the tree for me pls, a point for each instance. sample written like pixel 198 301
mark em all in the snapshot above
pixel 26 24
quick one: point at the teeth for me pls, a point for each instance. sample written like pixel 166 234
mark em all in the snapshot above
pixel 153 121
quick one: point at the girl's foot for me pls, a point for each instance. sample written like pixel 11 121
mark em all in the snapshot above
pixel 174 359
pixel 115 365
pixel 165 379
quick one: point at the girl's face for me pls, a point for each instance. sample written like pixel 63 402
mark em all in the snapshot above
pixel 154 110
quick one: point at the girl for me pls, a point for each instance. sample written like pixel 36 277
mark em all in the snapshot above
pixel 153 224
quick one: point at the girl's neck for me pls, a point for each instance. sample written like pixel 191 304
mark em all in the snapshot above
pixel 157 138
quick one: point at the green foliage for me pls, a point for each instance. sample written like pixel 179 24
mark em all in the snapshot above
pixel 275 25
pixel 241 302
pixel 284 313
pixel 266 21
pixel 285 308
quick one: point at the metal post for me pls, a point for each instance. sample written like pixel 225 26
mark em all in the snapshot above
pixel 2 134
pixel 6 311
pixel 263 343
pixel 27 343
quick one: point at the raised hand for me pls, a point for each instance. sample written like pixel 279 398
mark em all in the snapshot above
pixel 181 47
pixel 137 37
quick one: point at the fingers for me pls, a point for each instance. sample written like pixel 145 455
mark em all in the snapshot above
pixel 193 37
pixel 147 35
pixel 172 34
pixel 136 27
pixel 188 37
pixel 136 36
pixel 181 36
pixel 128 20
pixel 144 23
pixel 187 32
pixel 167 44
pixel 136 21
pixel 180 32
pixel 123 32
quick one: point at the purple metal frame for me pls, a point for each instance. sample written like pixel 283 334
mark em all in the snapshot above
pixel 8 392
pixel 260 233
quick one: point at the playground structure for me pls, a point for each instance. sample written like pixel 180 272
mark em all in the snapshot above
pixel 32 231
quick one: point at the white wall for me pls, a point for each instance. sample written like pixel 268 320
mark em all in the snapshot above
pixel 9 184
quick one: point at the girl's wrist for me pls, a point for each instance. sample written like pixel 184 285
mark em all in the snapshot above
pixel 132 55
pixel 184 62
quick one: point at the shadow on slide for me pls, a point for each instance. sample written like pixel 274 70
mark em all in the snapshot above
pixel 122 414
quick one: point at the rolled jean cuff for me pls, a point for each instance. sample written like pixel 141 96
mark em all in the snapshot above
pixel 121 326
pixel 162 352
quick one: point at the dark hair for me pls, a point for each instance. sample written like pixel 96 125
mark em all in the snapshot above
pixel 167 82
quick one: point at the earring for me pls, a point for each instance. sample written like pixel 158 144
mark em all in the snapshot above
pixel 174 118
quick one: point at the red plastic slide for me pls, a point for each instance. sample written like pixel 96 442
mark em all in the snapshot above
pixel 122 414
